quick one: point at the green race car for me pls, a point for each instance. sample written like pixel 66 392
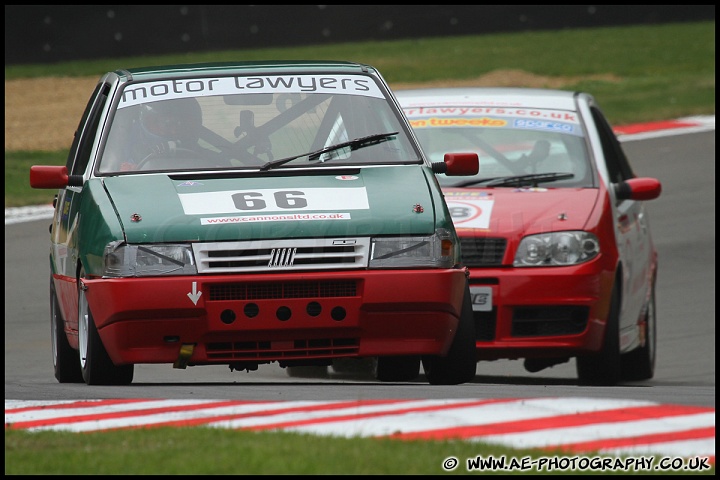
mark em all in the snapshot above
pixel 251 213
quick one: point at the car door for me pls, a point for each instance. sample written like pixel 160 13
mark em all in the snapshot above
pixel 631 228
pixel 64 241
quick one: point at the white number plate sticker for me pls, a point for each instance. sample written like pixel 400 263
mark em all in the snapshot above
pixel 481 299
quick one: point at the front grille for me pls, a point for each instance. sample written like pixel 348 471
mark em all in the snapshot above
pixel 549 321
pixel 482 252
pixel 282 255
pixel 278 290
pixel 286 350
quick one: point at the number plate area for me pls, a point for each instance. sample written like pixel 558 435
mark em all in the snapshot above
pixel 482 300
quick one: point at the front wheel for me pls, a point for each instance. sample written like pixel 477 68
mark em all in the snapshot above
pixel 460 363
pixel 95 363
pixel 603 368
pixel 66 360
pixel 640 363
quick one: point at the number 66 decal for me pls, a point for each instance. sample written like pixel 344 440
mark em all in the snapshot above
pixel 255 201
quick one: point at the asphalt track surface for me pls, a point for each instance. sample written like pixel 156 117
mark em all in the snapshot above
pixel 671 416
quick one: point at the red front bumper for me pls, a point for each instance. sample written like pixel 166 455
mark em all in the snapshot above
pixel 260 318
pixel 542 312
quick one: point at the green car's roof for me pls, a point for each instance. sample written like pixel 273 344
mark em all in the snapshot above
pixel 244 68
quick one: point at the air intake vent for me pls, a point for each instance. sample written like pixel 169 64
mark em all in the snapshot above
pixel 482 252
pixel 278 290
pixel 292 350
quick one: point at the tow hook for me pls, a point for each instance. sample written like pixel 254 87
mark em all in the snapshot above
pixel 186 351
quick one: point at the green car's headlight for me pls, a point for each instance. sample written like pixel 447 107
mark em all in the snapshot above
pixel 556 249
pixel 434 251
pixel 123 260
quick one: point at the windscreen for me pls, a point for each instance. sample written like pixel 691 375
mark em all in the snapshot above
pixel 509 143
pixel 254 123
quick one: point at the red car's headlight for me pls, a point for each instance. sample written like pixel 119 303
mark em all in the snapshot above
pixel 557 248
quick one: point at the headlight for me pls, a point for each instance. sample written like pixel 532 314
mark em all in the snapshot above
pixel 122 260
pixel 557 248
pixel 435 251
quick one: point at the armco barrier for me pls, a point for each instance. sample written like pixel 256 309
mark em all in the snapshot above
pixel 57 33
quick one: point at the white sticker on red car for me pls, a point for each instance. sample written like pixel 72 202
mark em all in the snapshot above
pixel 470 211
pixel 263 200
pixel 482 300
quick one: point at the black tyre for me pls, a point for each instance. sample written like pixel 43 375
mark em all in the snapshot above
pixel 603 368
pixel 640 363
pixel 66 360
pixel 96 365
pixel 404 368
pixel 460 363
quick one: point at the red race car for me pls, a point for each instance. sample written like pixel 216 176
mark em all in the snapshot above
pixel 553 227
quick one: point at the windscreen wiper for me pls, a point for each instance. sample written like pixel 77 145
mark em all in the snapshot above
pixel 531 179
pixel 353 144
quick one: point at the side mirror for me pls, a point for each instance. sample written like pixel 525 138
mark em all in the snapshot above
pixel 643 188
pixel 458 165
pixel 51 176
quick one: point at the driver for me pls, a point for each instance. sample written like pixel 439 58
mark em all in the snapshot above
pixel 168 128
pixel 171 124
